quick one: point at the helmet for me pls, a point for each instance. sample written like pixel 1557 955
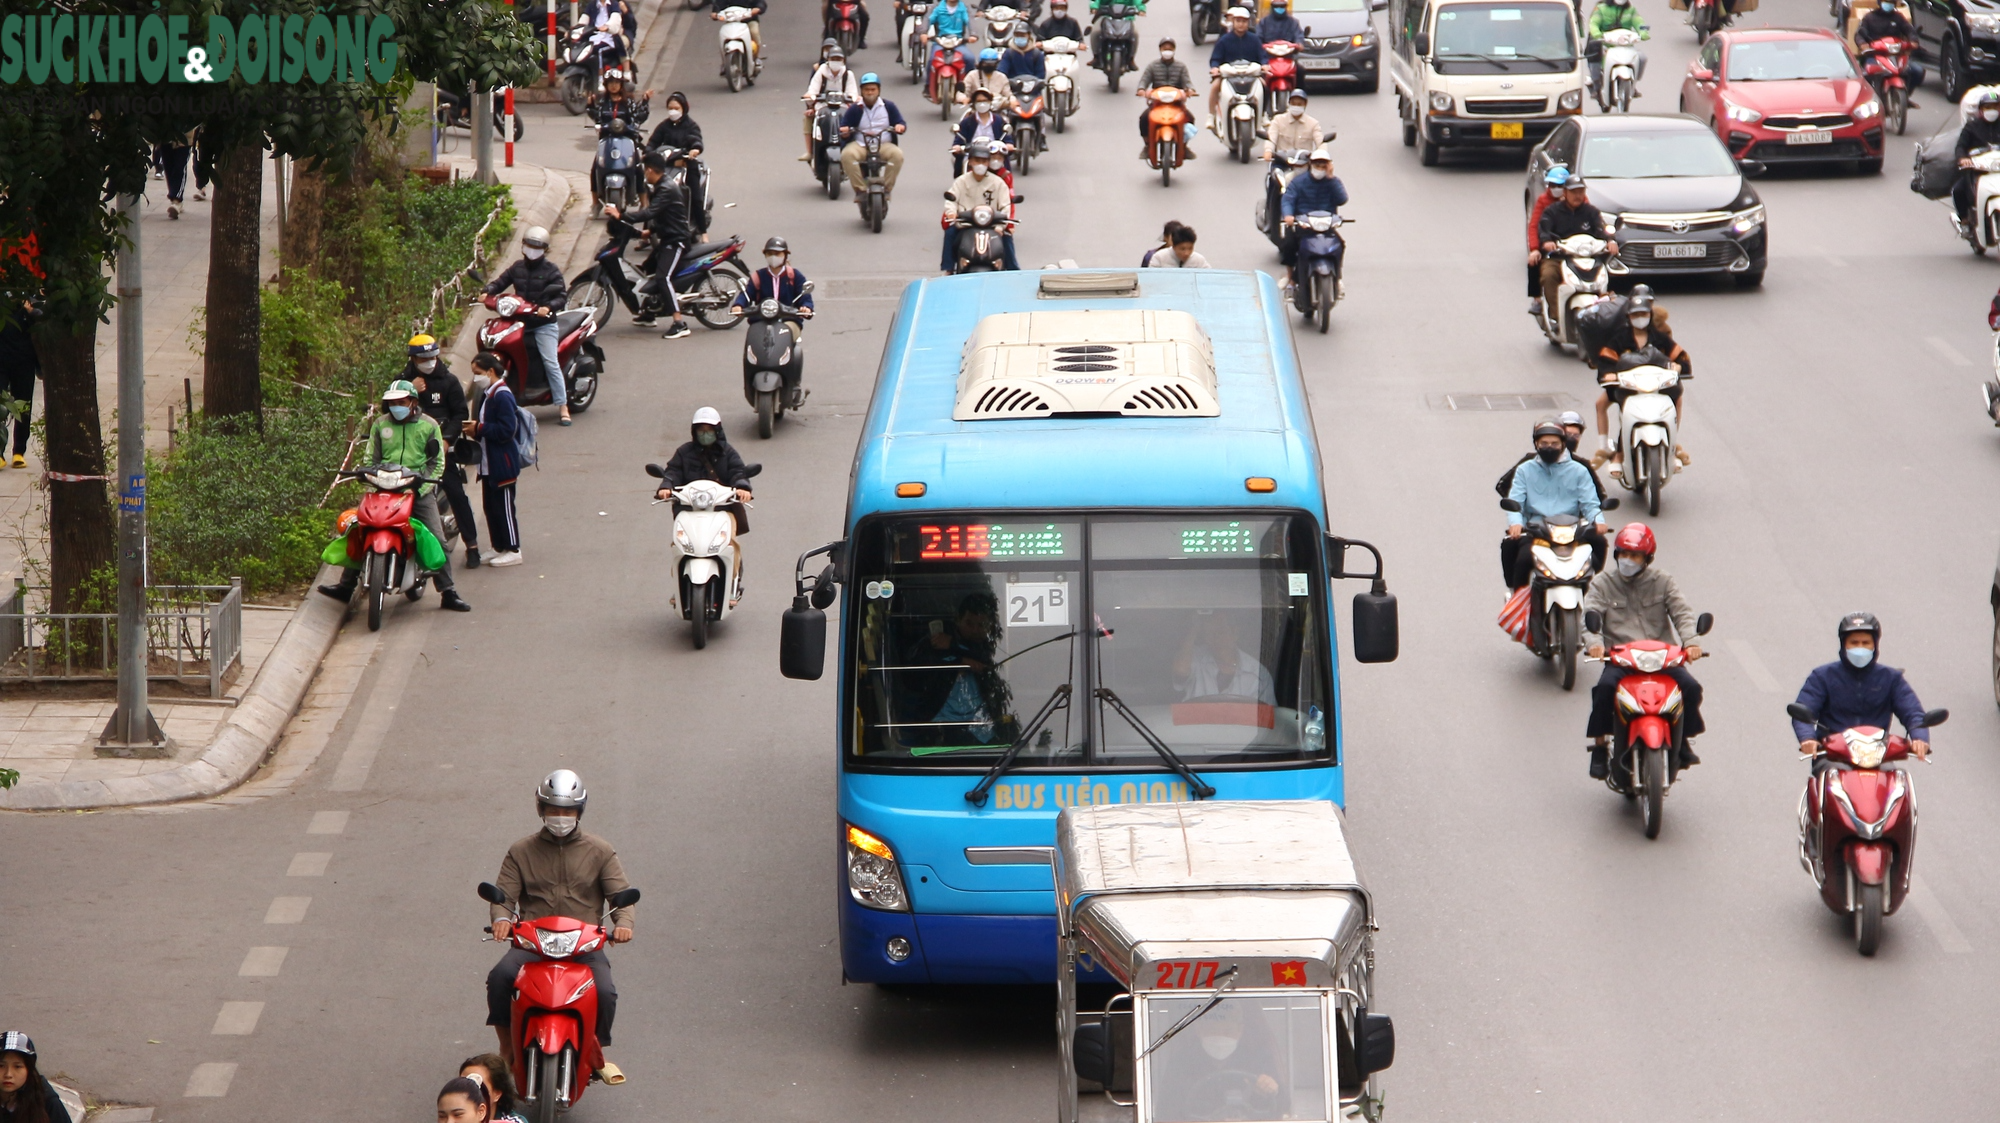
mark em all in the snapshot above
pixel 423 347
pixel 1556 176
pixel 979 149
pixel 1238 13
pixel 1167 42
pixel 1989 96
pixel 835 53
pixel 562 788
pixel 1636 537
pixel 871 79
pixel 706 415
pixel 1298 94
pixel 990 54
pixel 1548 427
pixel 776 245
pixel 617 76
pixel 537 236
pixel 1321 155
pixel 1571 417
pixel 1860 622
pixel 398 390
pixel 829 44
pixel 1641 300
pixel 14 1041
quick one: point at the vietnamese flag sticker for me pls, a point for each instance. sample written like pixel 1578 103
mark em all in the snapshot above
pixel 1289 974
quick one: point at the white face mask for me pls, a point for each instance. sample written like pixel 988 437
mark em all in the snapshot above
pixel 1220 1048
pixel 1641 323
pixel 531 253
pixel 978 170
pixel 673 114
pixel 482 381
pixel 1990 114
pixel 1166 56
pixel 836 67
pixel 1297 110
pixel 425 366
pixel 984 109
pixel 775 260
pixel 1321 173
pixel 562 826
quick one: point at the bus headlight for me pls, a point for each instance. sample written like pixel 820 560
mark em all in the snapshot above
pixel 873 878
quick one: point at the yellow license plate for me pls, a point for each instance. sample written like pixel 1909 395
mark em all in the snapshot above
pixel 1506 130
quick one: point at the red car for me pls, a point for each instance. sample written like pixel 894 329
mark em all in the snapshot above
pixel 1785 96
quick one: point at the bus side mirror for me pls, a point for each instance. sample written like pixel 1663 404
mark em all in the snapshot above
pixel 1090 1053
pixel 1376 635
pixel 1377 1048
pixel 802 640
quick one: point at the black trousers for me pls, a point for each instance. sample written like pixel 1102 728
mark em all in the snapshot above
pixel 461 506
pixel 500 988
pixel 21 384
pixel 661 264
pixel 1603 701
pixel 1965 192
pixel 1517 561
pixel 1534 282
pixel 502 529
pixel 173 162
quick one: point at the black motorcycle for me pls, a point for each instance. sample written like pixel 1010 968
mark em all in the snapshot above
pixel 873 199
pixel 615 171
pixel 1204 20
pixel 774 360
pixel 826 141
pixel 710 277
pixel 454 112
pixel 1115 41
pixel 1285 165
pixel 982 246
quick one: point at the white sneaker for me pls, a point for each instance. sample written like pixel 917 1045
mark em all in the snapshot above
pixel 1534 308
pixel 511 557
pixel 200 196
pixel 1340 290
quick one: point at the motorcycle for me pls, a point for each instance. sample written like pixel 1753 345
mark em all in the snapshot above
pixel 706 558
pixel 1647 428
pixel 999 25
pixel 1707 18
pixel 1647 737
pixel 587 57
pixel 981 248
pixel 1285 164
pixel 616 166
pixel 1167 119
pixel 1317 287
pixel 455 112
pixel 1059 59
pixel 1585 279
pixel 552 1034
pixel 1985 234
pixel 710 277
pixel 1025 121
pixel 1281 76
pixel 774 361
pixel 1858 822
pixel 382 537
pixel 910 48
pixel 1558 578
pixel 1619 70
pixel 740 63
pixel 843 25
pixel 1242 107
pixel 1204 20
pixel 1117 42
pixel 947 74
pixel 826 141
pixel 1884 62
pixel 577 352
pixel 874 200
pixel 1990 390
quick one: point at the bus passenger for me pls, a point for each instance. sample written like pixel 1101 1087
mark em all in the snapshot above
pixel 1211 664
pixel 958 700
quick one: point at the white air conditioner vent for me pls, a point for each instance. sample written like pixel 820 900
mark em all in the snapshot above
pixel 1130 362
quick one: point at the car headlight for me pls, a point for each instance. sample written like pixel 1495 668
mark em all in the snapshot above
pixel 558 945
pixel 1746 221
pixel 1989 24
pixel 1440 102
pixel 873 878
pixel 1571 99
pixel 1737 113
pixel 1867 109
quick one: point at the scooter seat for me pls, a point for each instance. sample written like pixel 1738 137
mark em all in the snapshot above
pixel 569 319
pixel 702 249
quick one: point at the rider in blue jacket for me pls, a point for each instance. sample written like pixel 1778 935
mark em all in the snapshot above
pixel 1553 483
pixel 1318 190
pixel 1857 689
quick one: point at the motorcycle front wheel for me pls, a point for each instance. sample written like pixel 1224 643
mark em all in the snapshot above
pixel 378 588
pixel 1653 790
pixel 1868 919
pixel 767 408
pixel 1622 96
pixel 832 174
pixel 591 292
pixel 1567 644
pixel 549 1071
pixel 1656 477
pixel 734 73
pixel 575 94
pixel 878 206
pixel 1322 301
pixel 698 613
pixel 1899 108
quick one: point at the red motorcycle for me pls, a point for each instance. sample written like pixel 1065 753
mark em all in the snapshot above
pixel 1884 62
pixel 582 361
pixel 1647 737
pixel 380 535
pixel 947 74
pixel 552 1040
pixel 843 25
pixel 1167 119
pixel 1858 822
pixel 1281 76
pixel 1707 18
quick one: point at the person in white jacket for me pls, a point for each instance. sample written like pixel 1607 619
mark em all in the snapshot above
pixel 831 76
pixel 1180 254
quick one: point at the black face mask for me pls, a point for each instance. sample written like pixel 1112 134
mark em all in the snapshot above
pixel 1570 443
pixel 1549 455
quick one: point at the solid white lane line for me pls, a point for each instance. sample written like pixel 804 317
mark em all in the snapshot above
pixel 1936 919
pixel 237 1019
pixel 210 1080
pixel 327 822
pixel 1759 674
pixel 287 910
pixel 1949 353
pixel 308 865
pixel 262 963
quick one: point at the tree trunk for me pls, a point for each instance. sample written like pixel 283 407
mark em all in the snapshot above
pixel 303 219
pixel 82 534
pixel 231 384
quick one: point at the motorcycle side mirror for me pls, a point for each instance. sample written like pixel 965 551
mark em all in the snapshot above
pixel 431 447
pixel 1421 43
pixel 1703 623
pixel 1510 505
pixel 1751 167
pixel 752 470
pixel 623 899
pixel 1019 198
pixel 655 471
pixel 949 195
pixel 473 271
pixel 1800 712
pixel 1612 503
pixel 1935 717
pixel 1593 620
pixel 807 287
pixel 491 894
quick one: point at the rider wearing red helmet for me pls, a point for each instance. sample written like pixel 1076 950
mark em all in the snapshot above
pixel 1638 601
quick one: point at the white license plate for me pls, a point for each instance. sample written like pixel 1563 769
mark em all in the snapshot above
pixel 1322 64
pixel 1680 249
pixel 1815 136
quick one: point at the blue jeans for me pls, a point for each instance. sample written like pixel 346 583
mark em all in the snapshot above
pixel 545 340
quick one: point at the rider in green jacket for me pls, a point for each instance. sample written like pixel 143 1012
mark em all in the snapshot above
pixel 1607 16
pixel 407 436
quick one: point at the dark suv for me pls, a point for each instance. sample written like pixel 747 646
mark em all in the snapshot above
pixel 1341 48
pixel 1963 38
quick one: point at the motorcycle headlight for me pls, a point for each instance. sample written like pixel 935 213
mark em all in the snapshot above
pixel 873 878
pixel 1870 108
pixel 749 354
pixel 1989 24
pixel 786 357
pixel 1746 221
pixel 1440 101
pixel 1571 99
pixel 681 536
pixel 1739 113
pixel 558 945
pixel 720 539
pixel 1649 661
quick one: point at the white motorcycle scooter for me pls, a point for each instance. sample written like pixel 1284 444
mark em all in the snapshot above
pixel 1620 69
pixel 1647 429
pixel 706 559
pixel 740 63
pixel 1059 57
pixel 1243 95
pixel 1985 235
pixel 1586 279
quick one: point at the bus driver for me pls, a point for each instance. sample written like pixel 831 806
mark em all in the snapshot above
pixel 1210 663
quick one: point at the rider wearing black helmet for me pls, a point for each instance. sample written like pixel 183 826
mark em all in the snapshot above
pixel 1857 689
pixel 1644 326
pixel 777 281
pixel 1553 483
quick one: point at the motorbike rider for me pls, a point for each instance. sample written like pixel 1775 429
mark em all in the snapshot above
pixel 1318 190
pixel 1294 130
pixel 665 215
pixel 1886 21
pixel 1645 326
pixel 873 115
pixel 1061 25
pixel 1022 56
pixel 442 398
pixel 616 106
pixel 1553 181
pixel 1638 600
pixel 560 870
pixel 1571 215
pixel 753 24
pixel 608 26
pixel 1553 483
pixel 949 17
pixel 1280 25
pixel 982 123
pixel 979 187
pixel 1610 15
pixel 986 77
pixel 1981 130
pixel 404 434
pixel 860 18
pixel 708 455
pixel 780 282
pixel 1572 427
pixel 1858 689
pixel 831 76
pixel 677 130
pixel 1165 71
pixel 1237 44
pixel 540 282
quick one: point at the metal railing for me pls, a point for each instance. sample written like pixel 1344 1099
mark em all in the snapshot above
pixel 194 635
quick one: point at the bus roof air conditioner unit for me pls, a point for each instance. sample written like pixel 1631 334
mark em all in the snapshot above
pixel 1047 364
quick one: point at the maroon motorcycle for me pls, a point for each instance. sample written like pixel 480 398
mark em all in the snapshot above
pixel 582 361
pixel 1858 822
pixel 1885 62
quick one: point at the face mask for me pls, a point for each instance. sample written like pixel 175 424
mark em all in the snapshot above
pixel 1021 44
pixel 531 253
pixel 836 67
pixel 705 438
pixel 1297 111
pixel 1550 455
pixel 425 366
pixel 1860 656
pixel 1629 568
pixel 978 170
pixel 400 412
pixel 562 826
pixel 1320 173
pixel 775 260
pixel 673 114
pixel 983 110
pixel 1217 1047
pixel 1641 323
pixel 869 100
pixel 1166 56
pixel 482 381
pixel 988 67
pixel 1990 114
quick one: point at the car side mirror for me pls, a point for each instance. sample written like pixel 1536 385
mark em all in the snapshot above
pixel 1701 74
pixel 1703 623
pixel 655 471
pixel 1751 167
pixel 1593 620
pixel 623 899
pixel 1090 1054
pixel 1375 1047
pixel 1611 503
pixel 752 470
pixel 802 640
pixel 1935 717
pixel 1510 505
pixel 491 894
pixel 1800 712
pixel 1421 43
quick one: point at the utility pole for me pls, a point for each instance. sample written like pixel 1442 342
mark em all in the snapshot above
pixel 132 729
pixel 482 138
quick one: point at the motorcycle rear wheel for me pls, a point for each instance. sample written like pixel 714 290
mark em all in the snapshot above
pixel 378 581
pixel 550 1073
pixel 698 613
pixel 720 286
pixel 1567 644
pixel 1868 919
pixel 767 407
pixel 1653 794
pixel 591 292
pixel 575 94
pixel 583 379
pixel 1656 477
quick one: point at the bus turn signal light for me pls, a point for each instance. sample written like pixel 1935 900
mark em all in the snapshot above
pixel 1261 483
pixel 909 491
pixel 862 840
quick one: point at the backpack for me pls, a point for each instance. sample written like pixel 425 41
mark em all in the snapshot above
pixel 526 429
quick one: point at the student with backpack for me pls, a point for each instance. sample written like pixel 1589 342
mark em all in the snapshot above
pixel 506 435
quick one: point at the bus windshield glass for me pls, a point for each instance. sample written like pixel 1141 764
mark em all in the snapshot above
pixel 1201 632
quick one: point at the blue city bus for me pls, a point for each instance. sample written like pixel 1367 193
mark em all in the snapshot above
pixel 1086 561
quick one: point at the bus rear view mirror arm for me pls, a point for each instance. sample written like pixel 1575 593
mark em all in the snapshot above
pixel 802 634
pixel 1377 636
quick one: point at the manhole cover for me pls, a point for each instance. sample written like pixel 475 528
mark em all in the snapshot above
pixel 1475 402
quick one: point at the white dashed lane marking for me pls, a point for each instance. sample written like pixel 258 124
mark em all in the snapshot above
pixel 237 1019
pixel 210 1080
pixel 308 865
pixel 262 963
pixel 287 910
pixel 327 822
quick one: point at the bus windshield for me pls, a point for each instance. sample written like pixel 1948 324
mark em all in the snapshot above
pixel 1200 632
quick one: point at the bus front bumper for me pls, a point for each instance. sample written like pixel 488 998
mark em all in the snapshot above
pixel 950 948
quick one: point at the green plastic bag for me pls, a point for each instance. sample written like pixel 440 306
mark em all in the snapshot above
pixel 430 554
pixel 336 554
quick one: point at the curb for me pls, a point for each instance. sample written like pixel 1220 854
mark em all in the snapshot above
pixel 240 745
pixel 545 210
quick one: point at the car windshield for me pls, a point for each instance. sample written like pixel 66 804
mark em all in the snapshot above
pixel 1303 7
pixel 1497 38
pixel 1210 632
pixel 1655 155
pixel 1252 1057
pixel 1784 60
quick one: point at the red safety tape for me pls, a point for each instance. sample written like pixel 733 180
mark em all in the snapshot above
pixel 65 477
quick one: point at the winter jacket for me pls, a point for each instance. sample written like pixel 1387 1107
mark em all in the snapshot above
pixel 850 118
pixel 1293 134
pixel 718 462
pixel 1542 202
pixel 499 419
pixel 1161 72
pixel 1505 485
pixel 1845 697
pixel 1060 27
pixel 1560 220
pixel 969 192
pixel 1610 357
pixel 1977 133
pixel 665 213
pixel 17 349
pixel 443 398
pixel 1883 23
pixel 1168 259
pixel 407 443
pixel 1276 29
pixel 1015 63
pixel 683 135
pixel 628 109
pixel 1648 605
pixel 1562 488
pixel 1606 17
pixel 52 1104
pixel 1231 47
pixel 996 128
pixel 540 283
pixel 825 81
pixel 788 288
pixel 549 876
pixel 1304 195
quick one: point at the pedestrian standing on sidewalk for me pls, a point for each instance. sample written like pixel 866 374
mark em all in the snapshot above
pixel 463 1100
pixel 496 427
pixel 172 159
pixel 489 1069
pixel 443 400
pixel 25 1094
pixel 19 364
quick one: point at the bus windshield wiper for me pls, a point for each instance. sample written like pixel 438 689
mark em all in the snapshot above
pixel 1058 699
pixel 1200 789
pixel 1221 989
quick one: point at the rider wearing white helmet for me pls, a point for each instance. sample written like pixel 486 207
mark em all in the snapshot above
pixel 708 456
